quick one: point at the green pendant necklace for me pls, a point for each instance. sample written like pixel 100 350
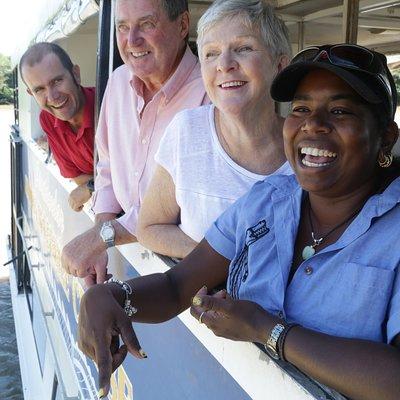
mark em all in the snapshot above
pixel 309 250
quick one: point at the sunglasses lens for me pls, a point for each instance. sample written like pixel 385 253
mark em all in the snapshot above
pixel 306 55
pixel 352 56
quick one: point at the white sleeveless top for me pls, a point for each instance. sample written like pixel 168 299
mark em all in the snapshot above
pixel 207 181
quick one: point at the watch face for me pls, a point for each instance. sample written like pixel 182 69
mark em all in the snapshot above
pixel 107 233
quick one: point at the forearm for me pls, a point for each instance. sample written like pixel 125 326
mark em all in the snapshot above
pixel 103 217
pixel 122 235
pixel 159 297
pixel 166 239
pixel 156 305
pixel 359 369
pixel 82 179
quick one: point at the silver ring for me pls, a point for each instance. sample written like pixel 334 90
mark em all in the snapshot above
pixel 201 316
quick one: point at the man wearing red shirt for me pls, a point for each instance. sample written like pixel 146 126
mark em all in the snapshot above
pixel 66 116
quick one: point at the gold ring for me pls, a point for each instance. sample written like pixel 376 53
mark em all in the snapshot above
pixel 201 316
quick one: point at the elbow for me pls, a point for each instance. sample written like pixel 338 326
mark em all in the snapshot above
pixel 144 235
pixel 141 233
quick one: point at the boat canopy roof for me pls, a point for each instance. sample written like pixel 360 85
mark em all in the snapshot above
pixel 55 20
pixel 316 22
pixel 371 23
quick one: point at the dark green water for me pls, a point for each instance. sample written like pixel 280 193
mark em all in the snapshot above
pixel 10 379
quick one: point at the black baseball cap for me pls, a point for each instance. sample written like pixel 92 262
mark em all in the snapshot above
pixel 364 70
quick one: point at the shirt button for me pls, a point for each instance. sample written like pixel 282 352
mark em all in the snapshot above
pixel 144 141
pixel 136 173
pixel 308 270
pixel 280 314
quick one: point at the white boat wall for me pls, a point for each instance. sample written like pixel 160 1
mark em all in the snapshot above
pixel 185 360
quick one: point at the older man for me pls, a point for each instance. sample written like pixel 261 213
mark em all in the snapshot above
pixel 66 116
pixel 160 77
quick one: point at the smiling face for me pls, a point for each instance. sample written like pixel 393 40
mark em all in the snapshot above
pixel 331 138
pixel 149 43
pixel 236 67
pixel 55 89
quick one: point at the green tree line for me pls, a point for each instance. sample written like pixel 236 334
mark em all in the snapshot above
pixel 6 80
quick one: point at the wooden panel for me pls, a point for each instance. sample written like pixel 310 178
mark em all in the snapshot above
pixel 350 20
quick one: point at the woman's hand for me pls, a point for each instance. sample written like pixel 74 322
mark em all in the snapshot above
pixel 232 319
pixel 101 321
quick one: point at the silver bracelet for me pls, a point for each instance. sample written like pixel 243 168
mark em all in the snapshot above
pixel 128 308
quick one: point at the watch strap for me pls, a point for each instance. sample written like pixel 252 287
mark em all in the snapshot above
pixel 90 185
pixel 271 346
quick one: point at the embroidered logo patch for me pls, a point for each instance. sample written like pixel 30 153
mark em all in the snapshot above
pixel 240 270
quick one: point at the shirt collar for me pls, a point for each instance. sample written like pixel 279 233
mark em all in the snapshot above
pixel 380 203
pixel 285 185
pixel 376 205
pixel 175 82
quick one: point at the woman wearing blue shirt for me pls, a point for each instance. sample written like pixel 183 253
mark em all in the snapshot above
pixel 311 260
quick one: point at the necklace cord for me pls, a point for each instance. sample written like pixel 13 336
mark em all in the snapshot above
pixel 317 242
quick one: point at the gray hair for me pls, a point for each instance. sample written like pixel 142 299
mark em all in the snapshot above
pixel 174 8
pixel 256 14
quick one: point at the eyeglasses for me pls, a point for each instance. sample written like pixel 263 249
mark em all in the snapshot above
pixel 348 56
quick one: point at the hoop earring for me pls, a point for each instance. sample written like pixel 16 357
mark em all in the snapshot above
pixel 385 160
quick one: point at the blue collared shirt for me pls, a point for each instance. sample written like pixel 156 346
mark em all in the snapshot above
pixel 350 289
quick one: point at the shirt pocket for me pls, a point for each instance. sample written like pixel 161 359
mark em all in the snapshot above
pixel 358 299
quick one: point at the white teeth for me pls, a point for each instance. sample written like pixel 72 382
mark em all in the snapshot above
pixel 232 84
pixel 59 105
pixel 314 165
pixel 140 54
pixel 312 151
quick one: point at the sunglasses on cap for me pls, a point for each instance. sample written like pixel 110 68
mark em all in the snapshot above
pixel 349 56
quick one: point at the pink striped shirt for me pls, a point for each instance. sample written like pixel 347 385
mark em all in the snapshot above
pixel 128 134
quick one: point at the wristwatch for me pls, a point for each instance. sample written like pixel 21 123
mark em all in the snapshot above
pixel 271 347
pixel 107 233
pixel 90 185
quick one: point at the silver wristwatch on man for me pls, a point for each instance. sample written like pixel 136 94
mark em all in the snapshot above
pixel 107 233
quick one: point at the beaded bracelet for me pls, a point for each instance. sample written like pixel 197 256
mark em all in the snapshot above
pixel 128 308
pixel 281 340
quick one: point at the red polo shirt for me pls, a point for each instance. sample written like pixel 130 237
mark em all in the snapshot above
pixel 73 151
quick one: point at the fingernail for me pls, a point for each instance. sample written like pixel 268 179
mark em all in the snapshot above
pixel 196 301
pixel 204 287
pixel 142 353
pixel 103 392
